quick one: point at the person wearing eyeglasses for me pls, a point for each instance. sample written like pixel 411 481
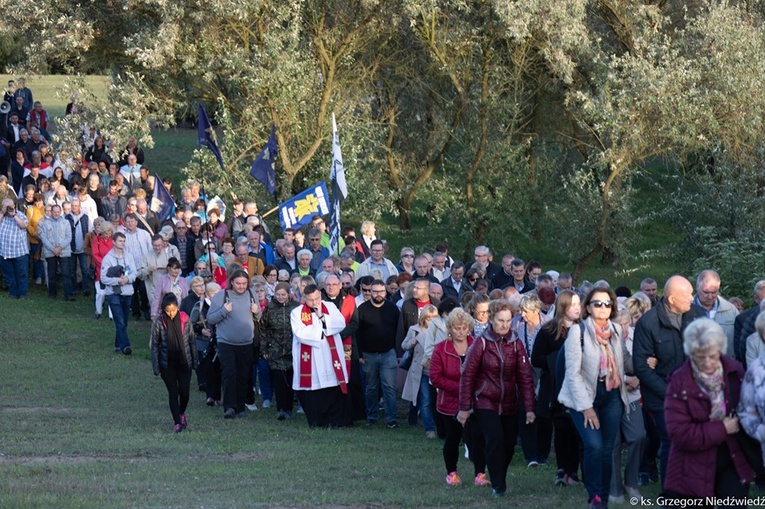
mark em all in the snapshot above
pixel 593 388
pixel 659 335
pixel 377 261
pixel 406 262
pixel 716 307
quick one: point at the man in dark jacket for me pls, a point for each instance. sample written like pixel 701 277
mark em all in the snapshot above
pixel 455 285
pixel 483 254
pixel 743 326
pixel 659 334
pixel 333 292
pixel 185 247
pixel 410 311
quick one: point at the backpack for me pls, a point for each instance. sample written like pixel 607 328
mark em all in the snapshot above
pixel 560 364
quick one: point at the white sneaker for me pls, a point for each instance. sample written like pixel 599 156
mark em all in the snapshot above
pixel 615 500
pixel 266 403
pixel 633 493
pixel 38 281
pixel 300 410
pixel 252 407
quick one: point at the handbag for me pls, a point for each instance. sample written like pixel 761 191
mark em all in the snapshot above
pixel 752 450
pixel 406 360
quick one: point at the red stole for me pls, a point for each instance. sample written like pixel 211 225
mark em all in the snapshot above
pixel 306 364
pixel 346 309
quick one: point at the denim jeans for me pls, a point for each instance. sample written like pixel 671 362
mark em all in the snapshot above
pixel 262 373
pixel 120 308
pixel 80 259
pixel 380 371
pixel 423 403
pixel 599 443
pixel 16 274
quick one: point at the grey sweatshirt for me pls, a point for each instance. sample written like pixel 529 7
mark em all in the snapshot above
pixel 236 327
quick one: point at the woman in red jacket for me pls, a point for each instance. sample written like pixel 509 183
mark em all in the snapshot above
pixel 99 246
pixel 496 372
pixel 444 371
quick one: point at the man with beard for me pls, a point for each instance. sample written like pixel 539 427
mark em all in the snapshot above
pixel 378 319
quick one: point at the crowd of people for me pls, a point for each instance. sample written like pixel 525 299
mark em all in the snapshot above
pixel 484 353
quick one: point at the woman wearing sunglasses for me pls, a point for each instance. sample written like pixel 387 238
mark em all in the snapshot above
pixel 593 389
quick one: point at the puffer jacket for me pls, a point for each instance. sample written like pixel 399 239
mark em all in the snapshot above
pixel 159 342
pixel 695 438
pixel 495 372
pixel 276 334
pixel 445 371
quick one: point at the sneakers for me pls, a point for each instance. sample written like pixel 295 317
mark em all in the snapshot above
pixel 532 464
pixel 392 425
pixel 241 415
pixel 184 423
pixel 229 414
pixel 266 403
pixel 596 502
pixel 281 416
pixel 252 407
pixel 615 500
pixel 481 480
pixel 127 350
pixel 38 281
pixel 453 479
pixel 370 422
pixel 210 402
pixel 430 435
pixel 496 493
pixel 572 480
pixel 177 429
pixel 560 478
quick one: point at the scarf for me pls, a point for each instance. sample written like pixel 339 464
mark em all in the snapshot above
pixel 306 363
pixel 712 385
pixel 608 367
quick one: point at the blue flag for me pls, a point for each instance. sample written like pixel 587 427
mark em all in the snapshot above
pixel 298 210
pixel 161 202
pixel 206 136
pixel 263 167
pixel 339 189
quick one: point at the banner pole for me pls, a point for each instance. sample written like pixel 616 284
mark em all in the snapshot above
pixel 271 211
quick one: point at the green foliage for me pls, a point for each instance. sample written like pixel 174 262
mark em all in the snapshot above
pixel 721 209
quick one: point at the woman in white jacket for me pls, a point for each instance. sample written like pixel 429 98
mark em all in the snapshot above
pixel 593 389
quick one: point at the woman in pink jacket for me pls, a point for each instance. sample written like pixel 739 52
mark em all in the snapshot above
pixel 445 368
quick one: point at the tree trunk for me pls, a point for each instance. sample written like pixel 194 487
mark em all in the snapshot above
pixel 404 206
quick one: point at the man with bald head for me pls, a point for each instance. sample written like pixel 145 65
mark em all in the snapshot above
pixel 659 334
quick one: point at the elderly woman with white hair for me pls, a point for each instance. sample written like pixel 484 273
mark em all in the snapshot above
pixel 705 458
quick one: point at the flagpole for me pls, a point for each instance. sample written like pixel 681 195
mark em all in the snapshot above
pixel 271 211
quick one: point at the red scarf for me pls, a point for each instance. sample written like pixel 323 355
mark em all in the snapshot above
pixel 306 364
